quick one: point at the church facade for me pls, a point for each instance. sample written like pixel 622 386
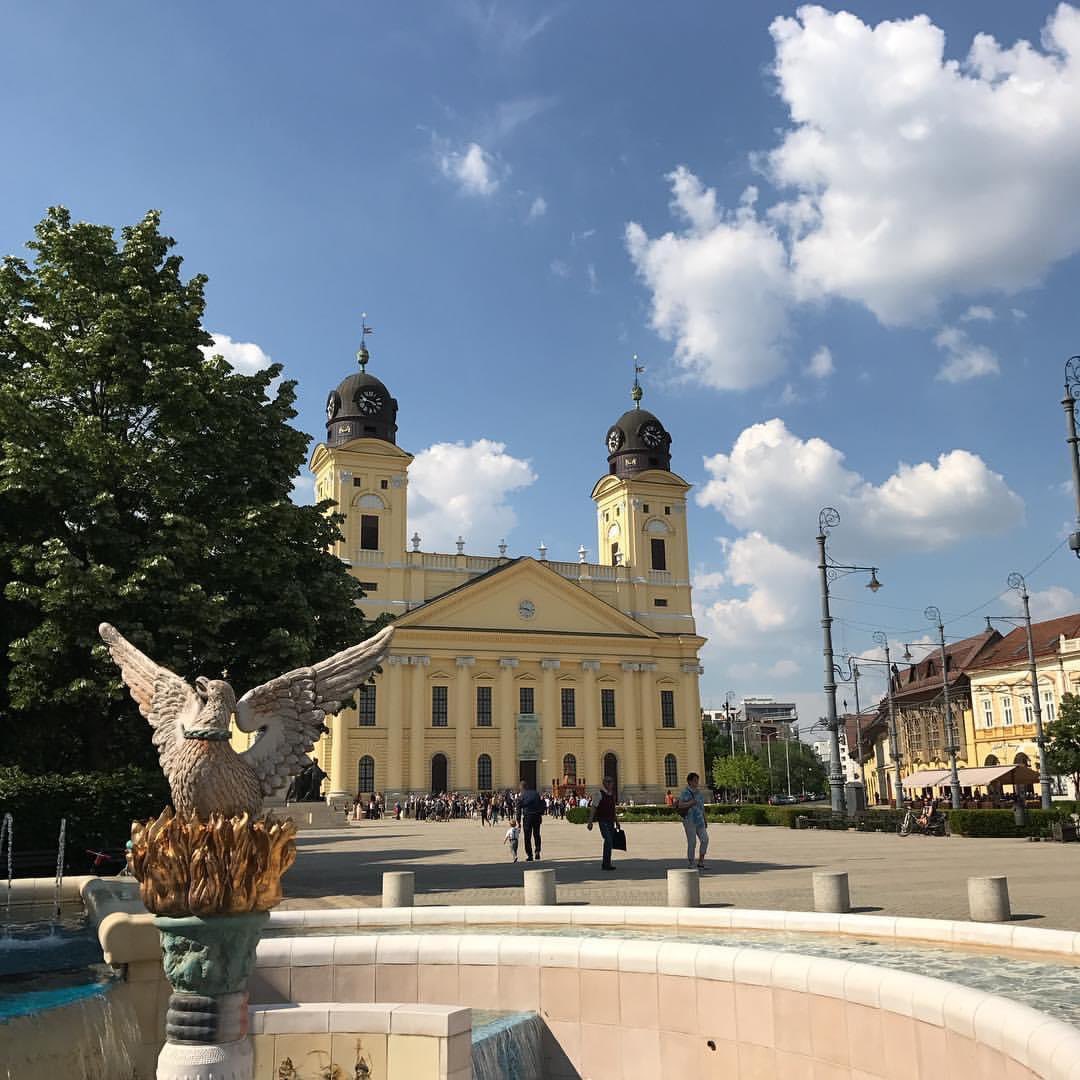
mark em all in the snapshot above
pixel 507 668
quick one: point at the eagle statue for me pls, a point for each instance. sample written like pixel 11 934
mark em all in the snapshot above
pixel 191 726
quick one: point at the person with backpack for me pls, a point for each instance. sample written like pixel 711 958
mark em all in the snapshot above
pixel 691 808
pixel 603 813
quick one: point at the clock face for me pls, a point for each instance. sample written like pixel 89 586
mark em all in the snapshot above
pixel 333 403
pixel 613 531
pixel 652 435
pixel 368 401
pixel 614 439
pixel 526 609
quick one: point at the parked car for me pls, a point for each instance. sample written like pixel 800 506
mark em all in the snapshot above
pixel 782 800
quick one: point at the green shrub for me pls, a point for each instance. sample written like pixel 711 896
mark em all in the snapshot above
pixel 752 815
pixel 99 808
pixel 577 815
pixel 1002 822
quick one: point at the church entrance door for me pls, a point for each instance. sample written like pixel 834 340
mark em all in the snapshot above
pixel 527 772
pixel 611 768
pixel 438 774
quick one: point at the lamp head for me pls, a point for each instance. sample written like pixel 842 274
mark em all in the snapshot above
pixel 873 584
pixel 907 652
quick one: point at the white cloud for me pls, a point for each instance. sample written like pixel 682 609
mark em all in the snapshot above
pixel 559 268
pixel 1018 314
pixel 965 359
pixel 594 281
pixel 303 489
pixel 784 669
pixel 245 356
pixel 821 364
pixel 908 178
pixel 720 287
pixel 538 208
pixel 1049 603
pixel 978 313
pixel 458 489
pixel 774 482
pixel 474 170
pixel 501 26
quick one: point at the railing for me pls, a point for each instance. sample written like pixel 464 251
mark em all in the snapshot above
pixel 481 563
pixel 439 562
pixel 570 570
pixel 366 557
pixel 661 577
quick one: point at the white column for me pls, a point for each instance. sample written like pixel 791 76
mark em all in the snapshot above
pixel 419 707
pixel 464 771
pixel 549 720
pixel 689 710
pixel 393 711
pixel 339 746
pixel 628 719
pixel 648 715
pixel 506 711
pixel 591 706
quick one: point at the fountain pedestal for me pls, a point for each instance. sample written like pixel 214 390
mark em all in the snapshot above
pixel 207 962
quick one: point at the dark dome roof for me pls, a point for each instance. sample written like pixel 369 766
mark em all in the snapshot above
pixel 361 407
pixel 636 442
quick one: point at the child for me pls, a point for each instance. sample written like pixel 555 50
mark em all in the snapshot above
pixel 511 838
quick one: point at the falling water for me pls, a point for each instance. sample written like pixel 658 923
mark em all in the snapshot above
pixel 510 1048
pixel 7 828
pixel 58 885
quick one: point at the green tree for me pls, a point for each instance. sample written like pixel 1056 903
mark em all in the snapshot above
pixel 807 771
pixel 716 744
pixel 145 484
pixel 741 773
pixel 1063 740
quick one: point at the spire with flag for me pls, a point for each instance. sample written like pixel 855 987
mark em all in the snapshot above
pixel 636 392
pixel 362 355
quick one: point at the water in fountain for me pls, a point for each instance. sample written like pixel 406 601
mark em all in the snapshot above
pixel 60 845
pixel 507 1046
pixel 7 829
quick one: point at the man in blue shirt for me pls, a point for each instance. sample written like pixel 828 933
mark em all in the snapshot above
pixel 691 805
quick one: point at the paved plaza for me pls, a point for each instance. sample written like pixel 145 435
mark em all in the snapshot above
pixel 460 862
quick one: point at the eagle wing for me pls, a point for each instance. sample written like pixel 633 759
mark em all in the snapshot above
pixel 163 697
pixel 288 711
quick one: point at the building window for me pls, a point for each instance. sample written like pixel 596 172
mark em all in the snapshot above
pixel 667 708
pixel 615 554
pixel 365 707
pixel 671 771
pixel 659 602
pixel 569 768
pixel 667 510
pixel 1029 712
pixel 357 481
pixel 384 484
pixel 607 708
pixel 988 712
pixel 1006 709
pixel 644 508
pixel 365 778
pixel 369 532
pixel 369 586
pixel 439 713
pixel 483 706
pixel 1048 705
pixel 483 772
pixel 526 700
pixel 569 713
pixel 659 554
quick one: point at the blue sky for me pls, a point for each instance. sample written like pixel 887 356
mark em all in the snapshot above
pixel 844 245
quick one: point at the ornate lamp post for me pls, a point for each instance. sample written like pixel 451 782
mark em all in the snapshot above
pixel 882 639
pixel 1072 387
pixel 852 677
pixel 933 614
pixel 1017 582
pixel 729 697
pixel 830 570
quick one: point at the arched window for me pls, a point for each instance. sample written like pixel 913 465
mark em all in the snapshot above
pixel 365 779
pixel 569 768
pixel 483 772
pixel 611 768
pixel 991 759
pixel 671 771
pixel 1022 759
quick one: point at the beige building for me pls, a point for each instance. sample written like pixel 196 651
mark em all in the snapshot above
pixel 505 668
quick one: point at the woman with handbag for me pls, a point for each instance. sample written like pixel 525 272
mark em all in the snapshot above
pixel 603 813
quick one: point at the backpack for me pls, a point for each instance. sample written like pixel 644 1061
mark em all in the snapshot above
pixel 683 811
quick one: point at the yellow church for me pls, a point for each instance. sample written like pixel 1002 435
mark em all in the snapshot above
pixel 515 668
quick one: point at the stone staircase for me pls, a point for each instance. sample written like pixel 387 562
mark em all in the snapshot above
pixel 329 814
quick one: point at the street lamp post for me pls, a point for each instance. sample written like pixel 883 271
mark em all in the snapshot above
pixel 933 614
pixel 1017 582
pixel 882 639
pixel 852 677
pixel 787 760
pixel 1072 387
pixel 728 698
pixel 829 570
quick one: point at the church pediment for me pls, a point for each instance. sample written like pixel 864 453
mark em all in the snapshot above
pixel 524 596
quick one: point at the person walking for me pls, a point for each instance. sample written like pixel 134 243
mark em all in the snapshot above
pixel 691 806
pixel 603 813
pixel 511 840
pixel 529 815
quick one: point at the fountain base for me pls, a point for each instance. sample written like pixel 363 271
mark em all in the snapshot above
pixel 223 1061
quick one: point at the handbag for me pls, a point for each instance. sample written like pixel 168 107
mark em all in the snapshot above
pixel 618 839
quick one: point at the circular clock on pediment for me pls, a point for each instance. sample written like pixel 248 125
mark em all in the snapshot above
pixel 652 435
pixel 614 439
pixel 333 403
pixel 368 401
pixel 613 531
pixel 526 609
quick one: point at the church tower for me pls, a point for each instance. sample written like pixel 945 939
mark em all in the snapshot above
pixel 361 468
pixel 641 503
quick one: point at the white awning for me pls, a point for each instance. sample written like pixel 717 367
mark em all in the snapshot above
pixel 926 778
pixel 980 777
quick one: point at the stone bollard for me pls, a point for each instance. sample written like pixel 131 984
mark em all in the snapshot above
pixel 988 899
pixel 683 888
pixel 831 891
pixel 539 888
pixel 398 887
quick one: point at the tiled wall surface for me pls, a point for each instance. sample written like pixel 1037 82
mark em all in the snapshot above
pixel 639 1008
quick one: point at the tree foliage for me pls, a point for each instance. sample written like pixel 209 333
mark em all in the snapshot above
pixel 807 771
pixel 1063 740
pixel 742 773
pixel 147 484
